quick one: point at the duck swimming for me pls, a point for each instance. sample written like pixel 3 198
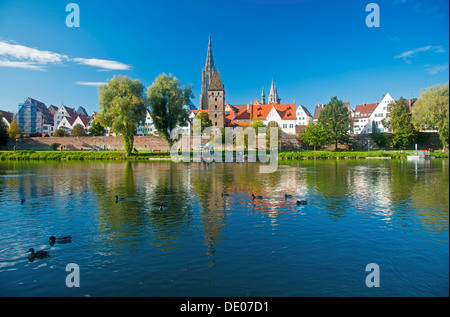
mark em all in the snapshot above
pixel 119 199
pixel 256 197
pixel 225 194
pixel 161 207
pixel 40 254
pixel 286 196
pixel 301 202
pixel 64 239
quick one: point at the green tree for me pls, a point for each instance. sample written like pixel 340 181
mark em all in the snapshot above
pixel 314 135
pixel 399 122
pixel 14 131
pixel 3 132
pixel 96 129
pixel 381 139
pixel 60 133
pixel 335 120
pixel 431 110
pixel 78 130
pixel 167 98
pixel 122 107
pixel 205 121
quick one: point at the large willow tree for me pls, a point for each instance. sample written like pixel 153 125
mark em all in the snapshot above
pixel 431 110
pixel 122 107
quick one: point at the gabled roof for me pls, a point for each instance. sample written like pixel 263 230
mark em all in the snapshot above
pixel 365 110
pixel 317 111
pixel 216 82
pixel 84 119
pixel 83 111
pixel 41 107
pixel 9 116
pixel 243 115
pixel 70 111
pixel 305 110
pixel 286 111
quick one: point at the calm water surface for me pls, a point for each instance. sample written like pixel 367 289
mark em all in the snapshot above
pixel 393 213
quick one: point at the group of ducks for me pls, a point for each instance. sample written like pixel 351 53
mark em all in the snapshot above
pixel 52 240
pixel 286 196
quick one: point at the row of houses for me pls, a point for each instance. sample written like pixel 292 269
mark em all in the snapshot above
pixel 34 117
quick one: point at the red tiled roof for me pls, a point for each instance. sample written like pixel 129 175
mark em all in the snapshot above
pixel 365 110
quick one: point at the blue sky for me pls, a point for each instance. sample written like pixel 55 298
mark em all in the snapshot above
pixel 314 49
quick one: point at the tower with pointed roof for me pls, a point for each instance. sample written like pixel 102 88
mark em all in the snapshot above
pixel 263 97
pixel 207 74
pixel 273 95
pixel 216 101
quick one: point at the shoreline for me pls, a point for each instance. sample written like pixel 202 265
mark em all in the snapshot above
pixel 28 155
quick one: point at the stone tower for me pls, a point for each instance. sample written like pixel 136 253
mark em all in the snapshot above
pixel 216 101
pixel 273 95
pixel 207 74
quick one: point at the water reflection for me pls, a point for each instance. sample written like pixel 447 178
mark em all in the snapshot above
pixel 390 191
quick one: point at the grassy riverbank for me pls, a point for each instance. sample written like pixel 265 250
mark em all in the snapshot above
pixel 303 155
pixel 148 155
pixel 80 155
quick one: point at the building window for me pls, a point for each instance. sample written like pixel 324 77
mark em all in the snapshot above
pixel 215 123
pixel 215 115
pixel 284 126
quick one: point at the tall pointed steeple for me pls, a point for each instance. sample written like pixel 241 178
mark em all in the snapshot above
pixel 209 57
pixel 263 97
pixel 273 95
pixel 207 73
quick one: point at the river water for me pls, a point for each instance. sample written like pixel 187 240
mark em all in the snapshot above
pixel 393 213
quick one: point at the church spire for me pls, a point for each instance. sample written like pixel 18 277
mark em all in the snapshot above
pixel 273 95
pixel 209 57
pixel 263 97
pixel 207 73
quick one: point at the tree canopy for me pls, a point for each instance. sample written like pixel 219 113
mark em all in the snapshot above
pixel 96 129
pixel 205 121
pixel 167 98
pixel 122 107
pixel 314 135
pixel 431 110
pixel 78 130
pixel 399 122
pixel 335 121
pixel 14 131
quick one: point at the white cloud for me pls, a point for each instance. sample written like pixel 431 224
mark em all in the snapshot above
pixel 23 65
pixel 90 83
pixel 102 63
pixel 408 54
pixel 434 69
pixel 20 56
pixel 21 52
